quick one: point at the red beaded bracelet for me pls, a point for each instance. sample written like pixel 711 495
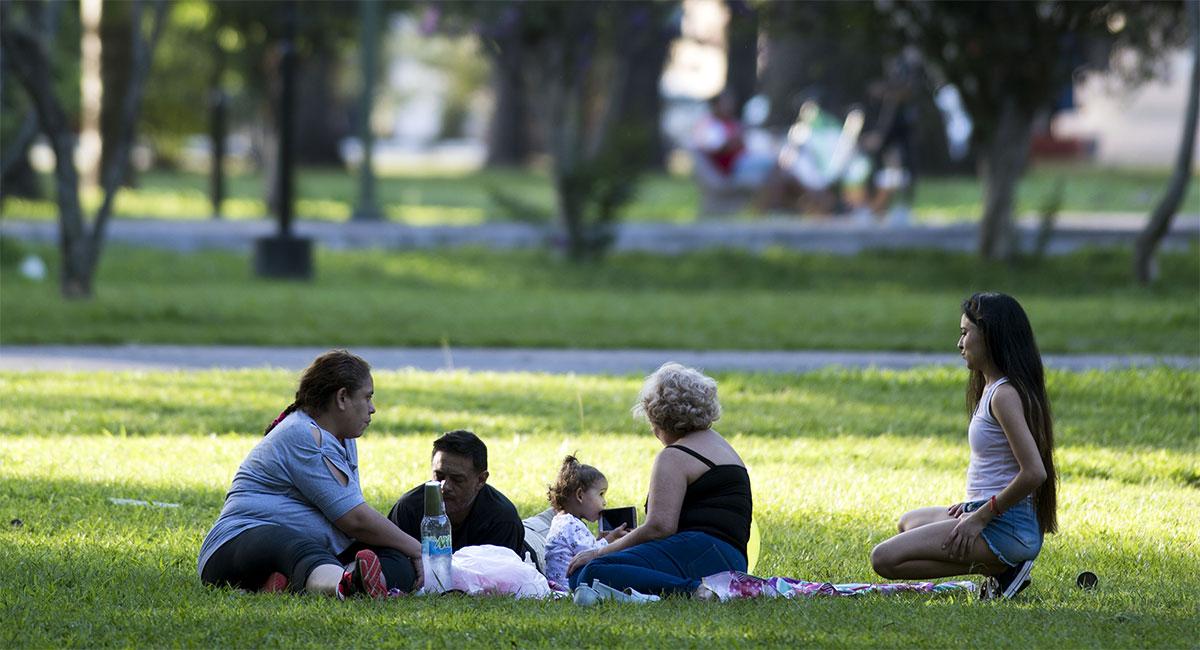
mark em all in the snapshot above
pixel 992 505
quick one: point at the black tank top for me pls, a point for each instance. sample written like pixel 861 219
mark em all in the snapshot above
pixel 718 502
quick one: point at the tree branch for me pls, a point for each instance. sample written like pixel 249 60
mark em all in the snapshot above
pixel 20 144
pixel 1160 220
pixel 29 125
pixel 127 127
pixel 28 58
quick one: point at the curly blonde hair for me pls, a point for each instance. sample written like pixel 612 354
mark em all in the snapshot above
pixel 678 400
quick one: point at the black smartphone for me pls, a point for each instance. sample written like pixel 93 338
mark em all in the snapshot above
pixel 612 518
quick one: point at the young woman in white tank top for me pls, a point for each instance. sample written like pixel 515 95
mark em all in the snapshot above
pixel 1011 482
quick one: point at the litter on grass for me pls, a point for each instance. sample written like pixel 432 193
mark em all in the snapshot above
pixel 138 502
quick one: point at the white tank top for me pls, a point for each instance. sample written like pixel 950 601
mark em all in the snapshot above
pixel 993 465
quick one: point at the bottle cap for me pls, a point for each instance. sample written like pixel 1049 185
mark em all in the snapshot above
pixel 434 506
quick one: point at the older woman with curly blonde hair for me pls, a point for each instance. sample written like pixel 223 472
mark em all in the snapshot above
pixel 699 508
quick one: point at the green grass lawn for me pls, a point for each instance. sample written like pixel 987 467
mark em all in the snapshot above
pixel 476 197
pixel 835 457
pixel 909 300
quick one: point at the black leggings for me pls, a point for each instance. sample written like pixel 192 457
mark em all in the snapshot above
pixel 246 561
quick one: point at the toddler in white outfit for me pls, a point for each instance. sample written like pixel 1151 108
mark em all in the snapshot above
pixel 577 494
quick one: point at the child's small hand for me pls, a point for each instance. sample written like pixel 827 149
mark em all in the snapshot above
pixel 615 534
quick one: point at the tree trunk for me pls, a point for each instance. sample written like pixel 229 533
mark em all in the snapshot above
pixel 508 132
pixel 268 131
pixel 1144 266
pixel 564 121
pixel 17 177
pixel 29 59
pixel 741 53
pixel 828 52
pixel 782 81
pixel 1001 163
pixel 28 54
pixel 126 132
pixel 116 61
pixel 218 109
pixel 322 120
pixel 651 32
pixel 75 277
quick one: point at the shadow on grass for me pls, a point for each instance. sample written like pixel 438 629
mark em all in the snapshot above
pixel 1090 273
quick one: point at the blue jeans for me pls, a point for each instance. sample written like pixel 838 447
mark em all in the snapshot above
pixel 673 565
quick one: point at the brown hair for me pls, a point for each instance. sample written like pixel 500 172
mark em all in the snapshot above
pixel 572 476
pixel 322 379
pixel 1008 338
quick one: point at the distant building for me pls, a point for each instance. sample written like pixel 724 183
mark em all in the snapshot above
pixel 1131 128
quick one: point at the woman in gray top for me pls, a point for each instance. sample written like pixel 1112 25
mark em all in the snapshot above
pixel 1011 482
pixel 295 517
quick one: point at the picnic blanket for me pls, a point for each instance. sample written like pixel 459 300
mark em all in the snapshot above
pixel 484 576
pixel 735 585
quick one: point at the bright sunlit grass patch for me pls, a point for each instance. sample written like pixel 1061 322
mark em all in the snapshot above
pixel 834 456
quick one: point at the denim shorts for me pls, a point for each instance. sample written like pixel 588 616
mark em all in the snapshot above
pixel 1014 536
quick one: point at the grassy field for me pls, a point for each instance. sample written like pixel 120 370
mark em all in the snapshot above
pixel 834 457
pixel 1084 302
pixel 476 197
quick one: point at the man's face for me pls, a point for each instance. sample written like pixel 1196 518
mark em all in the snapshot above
pixel 461 482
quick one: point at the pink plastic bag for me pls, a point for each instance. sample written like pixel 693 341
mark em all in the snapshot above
pixel 496 571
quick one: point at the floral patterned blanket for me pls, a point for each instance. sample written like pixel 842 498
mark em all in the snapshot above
pixel 733 585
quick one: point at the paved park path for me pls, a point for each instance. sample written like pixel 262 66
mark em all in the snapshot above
pixel 559 361
pixel 841 235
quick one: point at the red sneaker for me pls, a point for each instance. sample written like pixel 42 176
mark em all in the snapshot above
pixel 366 578
pixel 276 582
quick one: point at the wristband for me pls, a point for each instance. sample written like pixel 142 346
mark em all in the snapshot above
pixel 992 505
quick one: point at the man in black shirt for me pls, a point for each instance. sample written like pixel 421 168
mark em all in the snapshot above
pixel 479 514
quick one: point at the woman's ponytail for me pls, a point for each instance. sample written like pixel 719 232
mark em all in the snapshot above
pixel 286 412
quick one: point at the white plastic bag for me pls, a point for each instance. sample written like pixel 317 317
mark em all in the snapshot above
pixel 496 571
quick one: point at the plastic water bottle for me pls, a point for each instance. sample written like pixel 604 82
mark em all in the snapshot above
pixel 436 546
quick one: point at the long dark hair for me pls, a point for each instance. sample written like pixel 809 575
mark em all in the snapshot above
pixel 322 379
pixel 572 476
pixel 1010 345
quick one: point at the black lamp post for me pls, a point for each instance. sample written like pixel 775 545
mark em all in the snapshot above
pixel 283 255
pixel 217 113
